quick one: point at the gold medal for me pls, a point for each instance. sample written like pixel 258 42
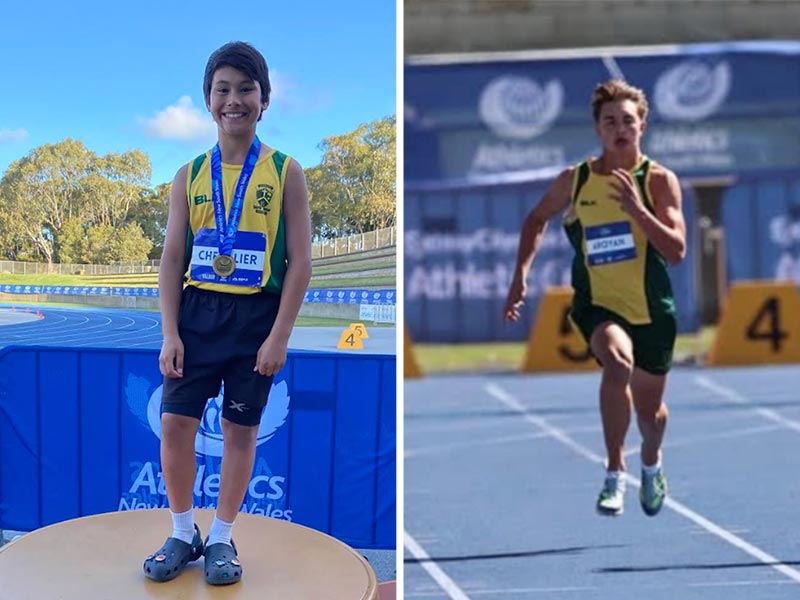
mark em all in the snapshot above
pixel 224 266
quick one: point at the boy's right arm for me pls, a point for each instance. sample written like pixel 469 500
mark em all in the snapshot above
pixel 170 277
pixel 555 200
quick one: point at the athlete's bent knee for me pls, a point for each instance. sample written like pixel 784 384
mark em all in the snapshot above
pixel 617 366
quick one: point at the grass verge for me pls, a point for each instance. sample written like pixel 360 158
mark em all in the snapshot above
pixel 508 356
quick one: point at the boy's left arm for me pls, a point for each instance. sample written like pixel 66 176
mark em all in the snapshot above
pixel 297 220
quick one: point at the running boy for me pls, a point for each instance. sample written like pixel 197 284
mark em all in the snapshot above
pixel 624 220
pixel 239 232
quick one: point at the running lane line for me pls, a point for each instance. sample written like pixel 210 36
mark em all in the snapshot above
pixel 767 559
pixel 737 398
pixel 448 585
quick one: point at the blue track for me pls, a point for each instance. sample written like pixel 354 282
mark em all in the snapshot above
pixel 502 472
pixel 95 327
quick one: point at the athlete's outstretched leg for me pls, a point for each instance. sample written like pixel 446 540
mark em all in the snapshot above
pixel 651 415
pixel 651 412
pixel 614 349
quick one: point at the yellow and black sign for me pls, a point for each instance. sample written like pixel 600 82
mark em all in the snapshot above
pixel 351 339
pixel 553 344
pixel 410 367
pixel 760 324
pixel 361 330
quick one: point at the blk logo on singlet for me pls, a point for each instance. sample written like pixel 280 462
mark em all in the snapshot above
pixel 692 90
pixel 209 436
pixel 519 108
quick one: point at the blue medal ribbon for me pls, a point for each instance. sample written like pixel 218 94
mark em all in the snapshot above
pixel 226 233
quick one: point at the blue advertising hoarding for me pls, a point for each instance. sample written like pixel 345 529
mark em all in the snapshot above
pixel 80 431
pixel 330 296
pixel 485 137
pixel 714 109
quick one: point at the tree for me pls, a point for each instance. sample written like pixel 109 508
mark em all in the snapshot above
pixel 116 184
pixel 353 189
pixel 42 190
pixel 72 241
pixel 64 203
pixel 151 214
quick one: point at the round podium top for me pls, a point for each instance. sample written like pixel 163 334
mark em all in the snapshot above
pixel 100 558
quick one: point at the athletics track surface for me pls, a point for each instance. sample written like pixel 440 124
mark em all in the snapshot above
pixel 120 328
pixel 502 472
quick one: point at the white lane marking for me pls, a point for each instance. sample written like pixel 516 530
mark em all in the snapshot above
pixel 737 398
pixel 508 439
pixel 734 433
pixel 440 577
pixel 506 398
pixel 508 591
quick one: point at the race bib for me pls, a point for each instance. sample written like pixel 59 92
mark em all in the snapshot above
pixel 610 243
pixel 248 252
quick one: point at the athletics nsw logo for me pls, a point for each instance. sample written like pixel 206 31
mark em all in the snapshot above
pixel 692 90
pixel 519 108
pixel 209 436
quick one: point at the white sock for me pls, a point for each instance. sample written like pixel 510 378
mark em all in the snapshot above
pixel 220 532
pixel 183 526
pixel 653 469
pixel 619 476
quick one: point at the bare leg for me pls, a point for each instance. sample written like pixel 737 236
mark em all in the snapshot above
pixel 179 466
pixel 238 456
pixel 178 461
pixel 614 349
pixel 651 412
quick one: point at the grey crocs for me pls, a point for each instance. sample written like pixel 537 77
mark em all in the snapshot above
pixel 222 564
pixel 167 562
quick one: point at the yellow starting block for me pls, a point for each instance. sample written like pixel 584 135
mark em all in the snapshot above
pixel 351 338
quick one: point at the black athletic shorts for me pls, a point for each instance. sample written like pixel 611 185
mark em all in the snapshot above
pixel 221 335
pixel 653 344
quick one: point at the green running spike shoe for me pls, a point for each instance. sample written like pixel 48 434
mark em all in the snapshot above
pixel 611 500
pixel 653 492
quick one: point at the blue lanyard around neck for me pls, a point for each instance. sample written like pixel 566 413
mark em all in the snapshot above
pixel 227 233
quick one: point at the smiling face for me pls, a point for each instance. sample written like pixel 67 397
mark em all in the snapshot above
pixel 620 127
pixel 235 102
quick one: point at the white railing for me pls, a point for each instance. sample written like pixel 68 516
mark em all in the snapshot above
pixel 371 240
pixel 32 268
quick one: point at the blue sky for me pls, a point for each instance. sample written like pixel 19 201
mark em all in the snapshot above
pixel 129 75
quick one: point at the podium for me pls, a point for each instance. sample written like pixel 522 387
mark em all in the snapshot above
pixel 100 558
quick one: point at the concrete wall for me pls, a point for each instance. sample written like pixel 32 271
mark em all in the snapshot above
pixel 442 26
pixel 335 311
pixel 131 302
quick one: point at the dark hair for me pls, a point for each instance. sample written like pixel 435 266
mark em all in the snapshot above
pixel 242 57
pixel 617 89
